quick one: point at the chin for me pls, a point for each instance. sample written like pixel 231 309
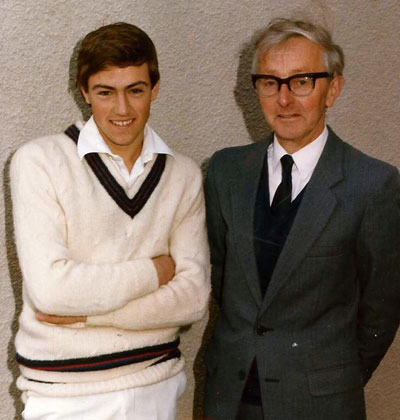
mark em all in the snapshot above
pixel 288 135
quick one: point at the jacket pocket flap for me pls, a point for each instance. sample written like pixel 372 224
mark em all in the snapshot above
pixel 335 380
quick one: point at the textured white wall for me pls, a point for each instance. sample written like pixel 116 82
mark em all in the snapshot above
pixel 205 103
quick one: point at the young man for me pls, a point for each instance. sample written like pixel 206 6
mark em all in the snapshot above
pixel 305 248
pixel 110 231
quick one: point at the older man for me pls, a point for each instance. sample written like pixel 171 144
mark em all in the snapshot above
pixel 305 248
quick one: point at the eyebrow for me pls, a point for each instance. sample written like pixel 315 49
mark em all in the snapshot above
pixel 293 72
pixel 101 86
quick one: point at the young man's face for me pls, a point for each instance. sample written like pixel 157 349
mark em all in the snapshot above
pixel 120 99
pixel 297 120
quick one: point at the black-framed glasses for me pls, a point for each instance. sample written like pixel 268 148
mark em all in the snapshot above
pixel 299 84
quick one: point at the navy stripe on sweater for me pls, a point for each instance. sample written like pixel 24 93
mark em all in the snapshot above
pixel 130 206
pixel 106 361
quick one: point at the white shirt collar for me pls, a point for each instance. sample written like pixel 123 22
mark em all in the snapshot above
pixel 91 141
pixel 306 158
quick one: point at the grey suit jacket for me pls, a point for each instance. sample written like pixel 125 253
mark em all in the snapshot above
pixel 332 306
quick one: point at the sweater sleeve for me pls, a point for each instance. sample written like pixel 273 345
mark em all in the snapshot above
pixel 184 299
pixel 54 282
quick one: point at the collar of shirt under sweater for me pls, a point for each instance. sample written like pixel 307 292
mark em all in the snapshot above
pixel 91 141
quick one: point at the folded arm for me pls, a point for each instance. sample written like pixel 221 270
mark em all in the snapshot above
pixel 165 268
pixel 184 299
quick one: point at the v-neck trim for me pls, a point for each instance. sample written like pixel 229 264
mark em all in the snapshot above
pixel 130 206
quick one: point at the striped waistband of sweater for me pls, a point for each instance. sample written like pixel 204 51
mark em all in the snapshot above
pixel 162 352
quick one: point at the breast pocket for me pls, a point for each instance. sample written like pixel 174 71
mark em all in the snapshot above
pixel 327 251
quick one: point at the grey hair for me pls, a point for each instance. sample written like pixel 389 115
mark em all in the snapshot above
pixel 280 30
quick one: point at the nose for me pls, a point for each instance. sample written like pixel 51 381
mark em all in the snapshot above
pixel 121 104
pixel 285 96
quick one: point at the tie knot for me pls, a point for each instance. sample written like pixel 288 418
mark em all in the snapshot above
pixel 287 163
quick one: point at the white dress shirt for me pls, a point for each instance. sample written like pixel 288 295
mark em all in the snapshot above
pixel 91 141
pixel 305 161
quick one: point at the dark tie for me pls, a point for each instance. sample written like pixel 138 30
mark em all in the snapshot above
pixel 283 193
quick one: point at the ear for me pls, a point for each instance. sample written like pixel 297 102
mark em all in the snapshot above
pixel 335 87
pixel 85 95
pixel 154 91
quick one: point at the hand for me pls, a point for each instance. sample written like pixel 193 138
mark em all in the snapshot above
pixel 59 320
pixel 165 267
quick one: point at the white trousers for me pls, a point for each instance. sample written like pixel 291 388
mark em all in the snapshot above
pixel 152 402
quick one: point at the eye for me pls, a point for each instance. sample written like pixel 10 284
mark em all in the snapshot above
pixel 104 92
pixel 267 83
pixel 136 91
pixel 301 81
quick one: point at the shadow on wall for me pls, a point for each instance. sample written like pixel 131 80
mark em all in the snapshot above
pixel 73 89
pixel 245 96
pixel 16 285
pixel 258 130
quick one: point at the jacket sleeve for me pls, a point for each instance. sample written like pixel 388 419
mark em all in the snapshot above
pixel 54 282
pixel 184 299
pixel 379 267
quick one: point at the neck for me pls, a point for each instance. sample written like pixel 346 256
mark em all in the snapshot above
pixel 128 154
pixel 294 145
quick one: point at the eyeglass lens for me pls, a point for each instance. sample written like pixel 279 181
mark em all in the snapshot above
pixel 298 85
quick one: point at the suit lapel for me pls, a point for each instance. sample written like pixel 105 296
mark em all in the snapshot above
pixel 315 209
pixel 243 197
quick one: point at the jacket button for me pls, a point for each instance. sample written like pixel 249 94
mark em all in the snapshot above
pixel 261 330
pixel 241 375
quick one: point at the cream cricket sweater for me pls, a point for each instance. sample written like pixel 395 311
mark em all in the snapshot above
pixel 85 246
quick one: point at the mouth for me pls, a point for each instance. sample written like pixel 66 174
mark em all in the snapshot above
pixel 122 123
pixel 288 116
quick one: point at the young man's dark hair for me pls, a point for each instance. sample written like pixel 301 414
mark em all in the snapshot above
pixel 119 44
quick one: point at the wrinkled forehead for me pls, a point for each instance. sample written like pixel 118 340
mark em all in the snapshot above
pixel 295 54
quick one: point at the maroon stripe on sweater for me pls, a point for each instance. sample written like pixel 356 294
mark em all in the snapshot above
pixel 108 361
